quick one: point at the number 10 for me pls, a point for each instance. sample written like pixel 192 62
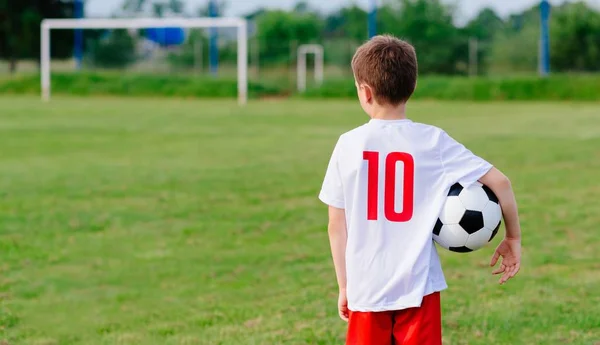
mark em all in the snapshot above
pixel 372 159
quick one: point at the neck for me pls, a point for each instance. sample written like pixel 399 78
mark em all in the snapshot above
pixel 389 112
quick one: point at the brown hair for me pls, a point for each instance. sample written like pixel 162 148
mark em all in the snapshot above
pixel 389 66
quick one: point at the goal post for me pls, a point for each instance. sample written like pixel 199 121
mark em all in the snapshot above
pixel 142 23
pixel 303 51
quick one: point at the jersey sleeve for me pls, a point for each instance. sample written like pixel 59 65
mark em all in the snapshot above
pixel 460 164
pixel 332 192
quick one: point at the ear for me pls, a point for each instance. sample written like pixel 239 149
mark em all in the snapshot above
pixel 368 93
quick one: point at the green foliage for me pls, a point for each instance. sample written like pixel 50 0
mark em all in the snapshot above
pixel 486 27
pixel 20 29
pixel 117 50
pixel 516 51
pixel 347 22
pixel 388 17
pixel 505 46
pixel 517 21
pixel 426 24
pixel 339 52
pixel 575 38
pixel 191 52
pixel 556 87
pixel 135 85
pixel 278 31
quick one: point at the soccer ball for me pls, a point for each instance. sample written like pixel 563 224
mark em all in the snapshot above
pixel 469 220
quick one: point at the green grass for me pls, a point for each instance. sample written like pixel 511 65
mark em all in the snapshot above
pixel 144 221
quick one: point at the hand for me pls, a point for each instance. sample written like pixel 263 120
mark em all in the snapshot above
pixel 343 306
pixel 510 251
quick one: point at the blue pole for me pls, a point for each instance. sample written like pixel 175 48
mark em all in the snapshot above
pixel 544 38
pixel 78 41
pixel 373 19
pixel 213 11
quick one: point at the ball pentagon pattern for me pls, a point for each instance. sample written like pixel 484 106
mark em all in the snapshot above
pixel 469 220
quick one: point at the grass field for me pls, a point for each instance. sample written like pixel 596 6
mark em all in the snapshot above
pixel 148 221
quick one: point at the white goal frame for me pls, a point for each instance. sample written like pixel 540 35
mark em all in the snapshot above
pixel 303 51
pixel 141 23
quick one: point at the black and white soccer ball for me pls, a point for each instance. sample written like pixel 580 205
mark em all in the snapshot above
pixel 469 220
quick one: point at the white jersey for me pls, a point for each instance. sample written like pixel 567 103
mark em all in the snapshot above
pixel 391 177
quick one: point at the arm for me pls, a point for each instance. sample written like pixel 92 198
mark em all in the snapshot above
pixel 461 165
pixel 510 248
pixel 332 194
pixel 501 186
pixel 337 240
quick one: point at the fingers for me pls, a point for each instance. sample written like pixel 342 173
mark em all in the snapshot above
pixel 495 258
pixel 505 276
pixel 344 315
pixel 343 310
pixel 509 273
pixel 500 269
pixel 516 270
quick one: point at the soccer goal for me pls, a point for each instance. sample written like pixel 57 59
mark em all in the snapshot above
pixel 303 51
pixel 145 23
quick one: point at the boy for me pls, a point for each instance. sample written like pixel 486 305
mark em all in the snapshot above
pixel 385 186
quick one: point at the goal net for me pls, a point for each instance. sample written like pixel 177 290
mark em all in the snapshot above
pixel 189 51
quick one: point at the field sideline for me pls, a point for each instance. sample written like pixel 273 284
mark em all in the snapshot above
pixel 141 221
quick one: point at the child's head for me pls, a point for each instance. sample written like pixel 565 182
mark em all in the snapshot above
pixel 385 70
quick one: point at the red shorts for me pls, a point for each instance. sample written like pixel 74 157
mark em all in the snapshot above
pixel 414 326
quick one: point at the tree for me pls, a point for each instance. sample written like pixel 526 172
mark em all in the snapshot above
pixel 514 48
pixel 277 29
pixel 485 27
pixel 428 25
pixel 348 22
pixel 20 29
pixel 516 51
pixel 388 17
pixel 518 21
pixel 575 38
pixel 302 7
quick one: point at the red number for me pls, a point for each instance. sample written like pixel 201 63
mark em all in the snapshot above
pixel 372 186
pixel 390 187
pixel 391 161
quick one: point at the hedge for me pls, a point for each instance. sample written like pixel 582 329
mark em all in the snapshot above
pixel 556 87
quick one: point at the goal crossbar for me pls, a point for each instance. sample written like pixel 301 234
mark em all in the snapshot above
pixel 141 23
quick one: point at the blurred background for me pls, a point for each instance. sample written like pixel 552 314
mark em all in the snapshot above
pixel 453 38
